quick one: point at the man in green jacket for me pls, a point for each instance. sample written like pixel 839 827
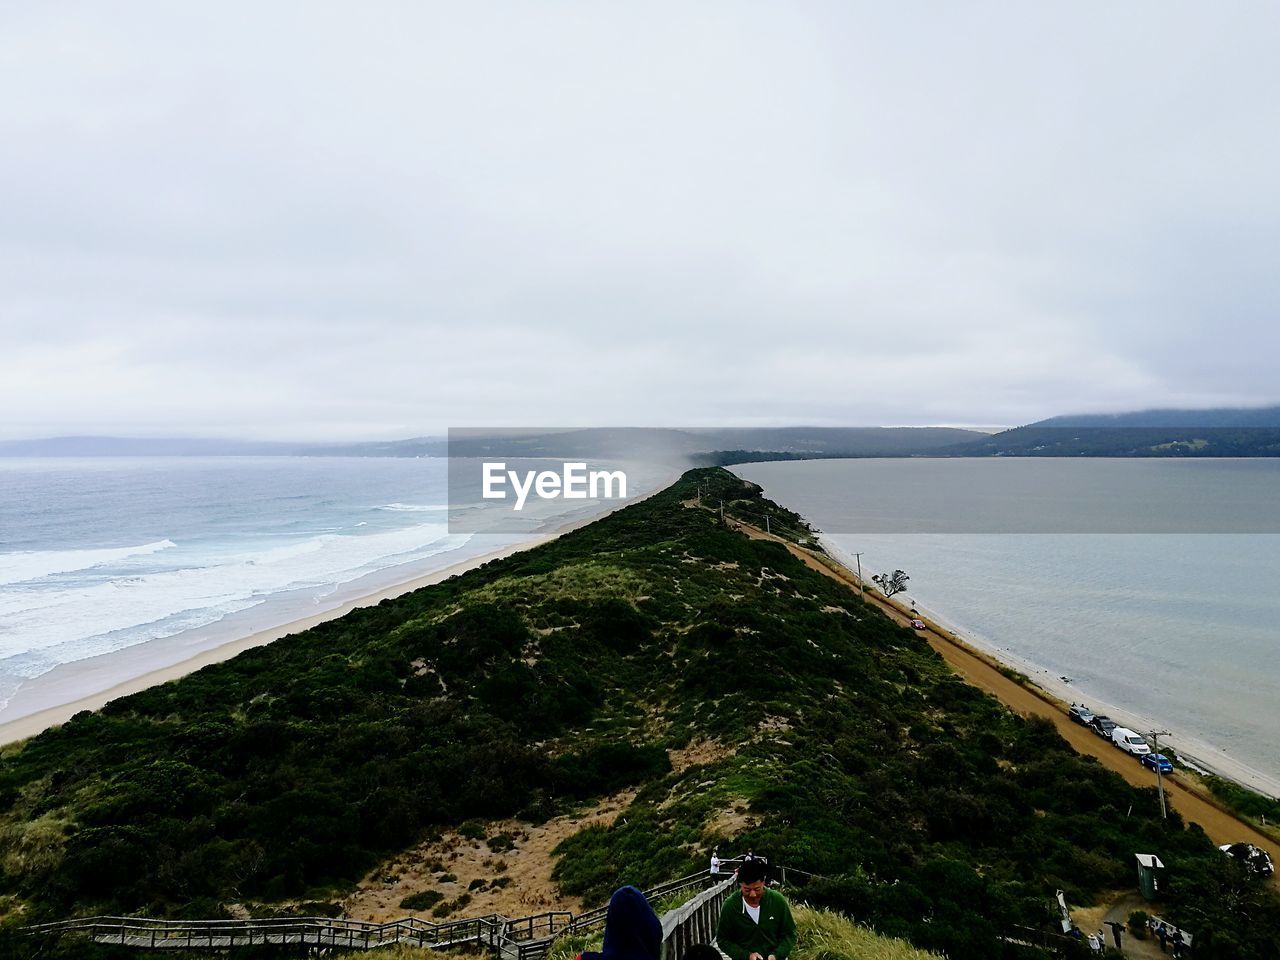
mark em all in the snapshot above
pixel 755 922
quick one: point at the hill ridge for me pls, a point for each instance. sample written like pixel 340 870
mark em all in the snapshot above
pixel 289 772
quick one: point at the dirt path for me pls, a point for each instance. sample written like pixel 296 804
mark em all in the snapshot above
pixel 1221 825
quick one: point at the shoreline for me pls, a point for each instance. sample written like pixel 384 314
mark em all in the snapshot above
pixel 78 672
pixel 1197 754
pixel 103 672
pixel 1190 798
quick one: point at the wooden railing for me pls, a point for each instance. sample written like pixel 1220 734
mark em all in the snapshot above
pixel 524 938
pixel 695 921
pixel 309 931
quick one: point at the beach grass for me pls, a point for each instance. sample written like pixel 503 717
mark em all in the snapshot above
pixel 571 944
pixel 827 935
pixel 821 935
pixel 1261 811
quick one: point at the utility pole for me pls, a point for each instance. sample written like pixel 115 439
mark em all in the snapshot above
pixel 862 589
pixel 1155 739
pixel 722 511
pixel 766 525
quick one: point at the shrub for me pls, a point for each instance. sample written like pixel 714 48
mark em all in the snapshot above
pixel 422 901
pixel 501 842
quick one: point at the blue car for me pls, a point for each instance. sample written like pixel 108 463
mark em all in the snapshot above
pixel 1157 761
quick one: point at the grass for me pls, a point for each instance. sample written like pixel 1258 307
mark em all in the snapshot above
pixel 822 935
pixel 672 900
pixel 825 935
pixel 571 944
pixel 1261 811
pixel 402 951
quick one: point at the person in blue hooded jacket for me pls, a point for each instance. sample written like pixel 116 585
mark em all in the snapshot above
pixel 631 929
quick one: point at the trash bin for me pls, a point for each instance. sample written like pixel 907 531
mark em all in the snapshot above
pixel 1148 883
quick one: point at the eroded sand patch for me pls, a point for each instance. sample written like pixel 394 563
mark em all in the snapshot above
pixel 527 864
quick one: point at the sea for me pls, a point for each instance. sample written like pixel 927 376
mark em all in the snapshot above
pixel 171 555
pixel 1126 598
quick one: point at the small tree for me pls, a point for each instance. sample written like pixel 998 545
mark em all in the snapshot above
pixel 891 583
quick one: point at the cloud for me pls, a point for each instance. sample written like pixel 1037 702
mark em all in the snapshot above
pixel 312 220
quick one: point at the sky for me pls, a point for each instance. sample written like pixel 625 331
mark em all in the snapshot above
pixel 377 220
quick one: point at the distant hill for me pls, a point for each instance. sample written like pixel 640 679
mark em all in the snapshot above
pixel 1223 417
pixel 1244 432
pixel 636 443
pixel 700 445
pixel 1222 432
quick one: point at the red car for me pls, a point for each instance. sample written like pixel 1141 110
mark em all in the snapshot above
pixel 917 624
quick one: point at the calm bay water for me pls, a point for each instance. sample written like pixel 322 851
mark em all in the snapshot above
pixel 1180 627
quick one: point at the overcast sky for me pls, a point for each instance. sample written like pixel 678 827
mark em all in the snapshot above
pixel 374 219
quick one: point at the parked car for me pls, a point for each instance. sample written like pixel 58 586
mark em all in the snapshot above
pixel 1102 726
pixel 1130 741
pixel 1157 761
pixel 1080 714
pixel 1255 859
pixel 917 624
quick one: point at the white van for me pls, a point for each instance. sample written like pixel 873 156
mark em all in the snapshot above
pixel 1129 742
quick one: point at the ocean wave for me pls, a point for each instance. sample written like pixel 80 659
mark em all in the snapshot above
pixel 35 564
pixel 73 621
pixel 414 507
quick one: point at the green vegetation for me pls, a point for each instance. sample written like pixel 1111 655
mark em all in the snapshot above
pixel 1048 439
pixel 422 901
pixel 750 506
pixel 569 945
pixel 842 746
pixel 825 935
pixel 1262 811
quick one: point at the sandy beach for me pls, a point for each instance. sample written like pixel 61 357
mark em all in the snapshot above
pixel 88 684
pixel 65 686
